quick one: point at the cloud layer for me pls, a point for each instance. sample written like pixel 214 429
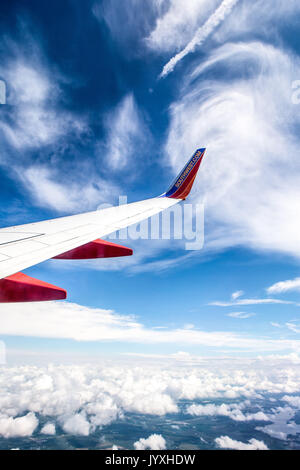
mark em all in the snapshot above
pixel 80 323
pixel 80 399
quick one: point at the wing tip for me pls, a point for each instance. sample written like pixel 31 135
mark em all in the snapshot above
pixel 183 183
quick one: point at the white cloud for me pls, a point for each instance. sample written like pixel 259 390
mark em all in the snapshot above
pixel 293 327
pixel 284 286
pixel 126 133
pixel 223 10
pixel 176 26
pixel 153 442
pixel 225 442
pixel 82 398
pixel 250 175
pixel 237 294
pixel 259 16
pixel 47 190
pixel 251 302
pixel 28 85
pixel 48 428
pixel 18 427
pixel 292 400
pixel 77 322
pixel 241 315
pixel 36 117
pixel 137 19
pixel 76 424
pixel 276 325
pixel 233 411
pixel 282 425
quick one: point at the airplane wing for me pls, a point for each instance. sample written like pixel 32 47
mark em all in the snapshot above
pixel 76 237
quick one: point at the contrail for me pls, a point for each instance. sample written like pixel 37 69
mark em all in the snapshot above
pixel 202 33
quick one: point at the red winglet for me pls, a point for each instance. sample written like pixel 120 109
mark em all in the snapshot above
pixel 96 249
pixel 182 185
pixel 21 288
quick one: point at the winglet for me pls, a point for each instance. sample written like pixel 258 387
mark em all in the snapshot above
pixel 182 185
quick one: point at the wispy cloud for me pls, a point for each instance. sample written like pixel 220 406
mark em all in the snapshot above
pixel 251 302
pixel 250 176
pixel 126 133
pixel 284 286
pixel 36 117
pixel 237 294
pixel 293 327
pixel 80 193
pixel 201 35
pixel 241 315
pixel 82 323
pixel 38 132
pixel 177 23
pixel 276 325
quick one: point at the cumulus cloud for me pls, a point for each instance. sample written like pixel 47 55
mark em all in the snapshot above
pixel 76 424
pixel 282 425
pixel 82 398
pixel 153 442
pixel 293 400
pixel 233 411
pixel 225 442
pixel 18 427
pixel 48 428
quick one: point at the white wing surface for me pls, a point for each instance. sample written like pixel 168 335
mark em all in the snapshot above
pixel 23 246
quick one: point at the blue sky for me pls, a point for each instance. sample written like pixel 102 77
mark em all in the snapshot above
pixel 89 117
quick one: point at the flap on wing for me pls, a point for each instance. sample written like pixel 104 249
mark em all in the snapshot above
pixel 12 236
pixel 21 288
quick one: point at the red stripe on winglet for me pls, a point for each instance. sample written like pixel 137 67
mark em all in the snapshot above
pixel 21 288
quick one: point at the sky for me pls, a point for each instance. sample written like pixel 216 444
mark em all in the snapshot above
pixel 104 102
pixel 171 347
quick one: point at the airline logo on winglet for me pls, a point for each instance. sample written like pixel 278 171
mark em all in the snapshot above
pixel 184 182
pixel 190 166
